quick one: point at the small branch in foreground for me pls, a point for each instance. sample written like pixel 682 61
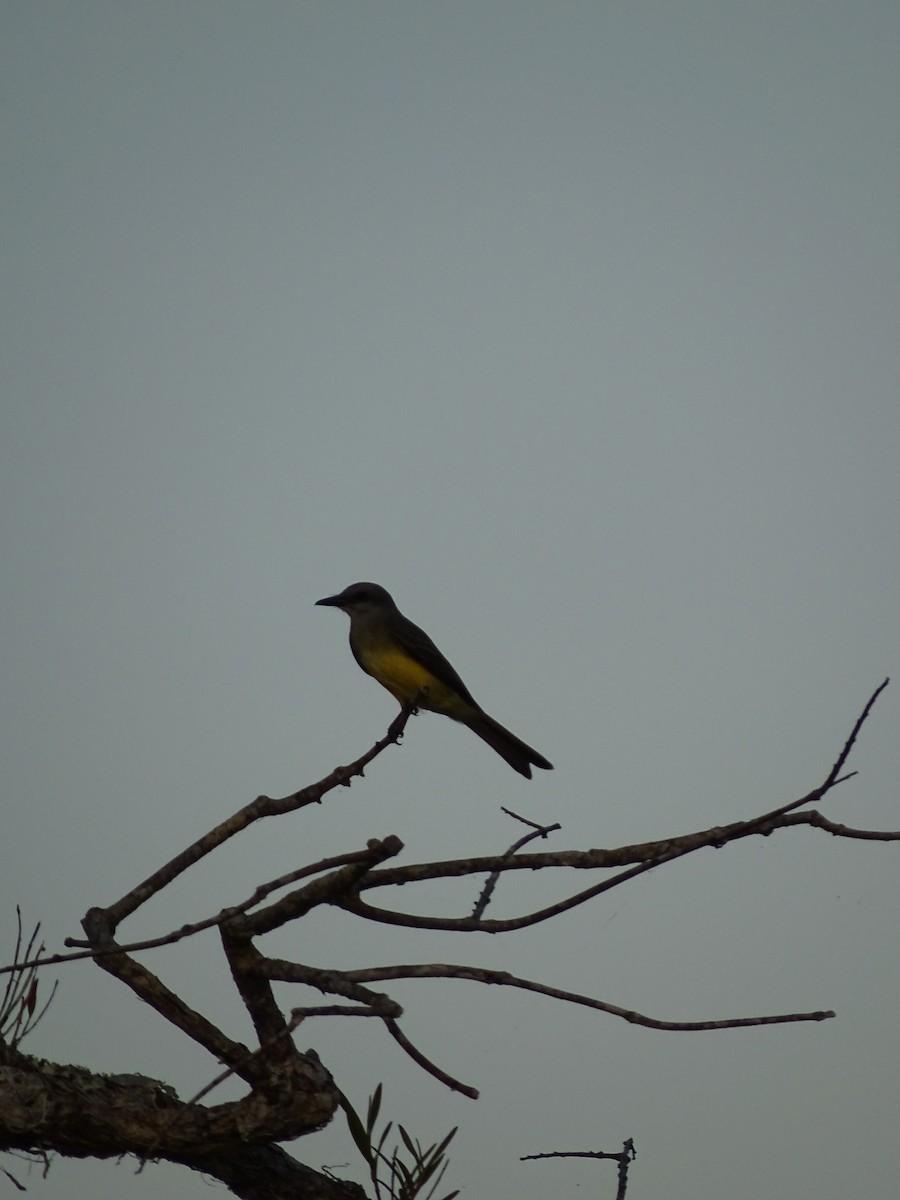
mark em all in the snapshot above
pixel 491 882
pixel 624 1158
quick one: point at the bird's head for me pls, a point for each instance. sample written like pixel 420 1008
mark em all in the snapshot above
pixel 360 598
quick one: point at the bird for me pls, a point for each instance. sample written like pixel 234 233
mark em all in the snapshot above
pixel 404 659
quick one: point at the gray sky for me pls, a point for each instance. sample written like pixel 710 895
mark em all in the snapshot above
pixel 574 325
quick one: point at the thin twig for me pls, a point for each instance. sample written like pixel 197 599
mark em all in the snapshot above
pixel 491 882
pixel 426 1064
pixel 505 979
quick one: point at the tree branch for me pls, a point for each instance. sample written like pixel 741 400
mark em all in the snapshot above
pixel 505 979
pixel 256 810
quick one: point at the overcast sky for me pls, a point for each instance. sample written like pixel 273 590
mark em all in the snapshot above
pixel 575 325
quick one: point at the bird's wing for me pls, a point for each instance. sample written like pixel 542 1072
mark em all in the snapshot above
pixel 418 644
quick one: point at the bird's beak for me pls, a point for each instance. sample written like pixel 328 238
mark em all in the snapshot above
pixel 331 601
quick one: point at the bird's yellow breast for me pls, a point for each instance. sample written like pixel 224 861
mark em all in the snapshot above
pixel 405 679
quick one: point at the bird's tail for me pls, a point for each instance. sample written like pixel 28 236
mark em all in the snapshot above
pixel 517 753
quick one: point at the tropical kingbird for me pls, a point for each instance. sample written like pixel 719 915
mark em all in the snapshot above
pixel 405 660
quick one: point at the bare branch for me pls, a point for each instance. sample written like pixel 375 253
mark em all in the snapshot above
pixel 624 1158
pixel 491 882
pixel 649 855
pixel 334 983
pixel 290 1092
pixel 110 1115
pixel 660 854
pixel 262 806
pixel 854 734
pixel 320 891
pixel 505 979
pixel 189 930
pixel 426 1064
pixel 336 1010
pixel 150 988
pixel 817 821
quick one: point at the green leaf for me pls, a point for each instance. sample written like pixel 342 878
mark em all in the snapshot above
pixel 374 1108
pixel 408 1142
pixel 387 1129
pixel 357 1132
pixel 447 1140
